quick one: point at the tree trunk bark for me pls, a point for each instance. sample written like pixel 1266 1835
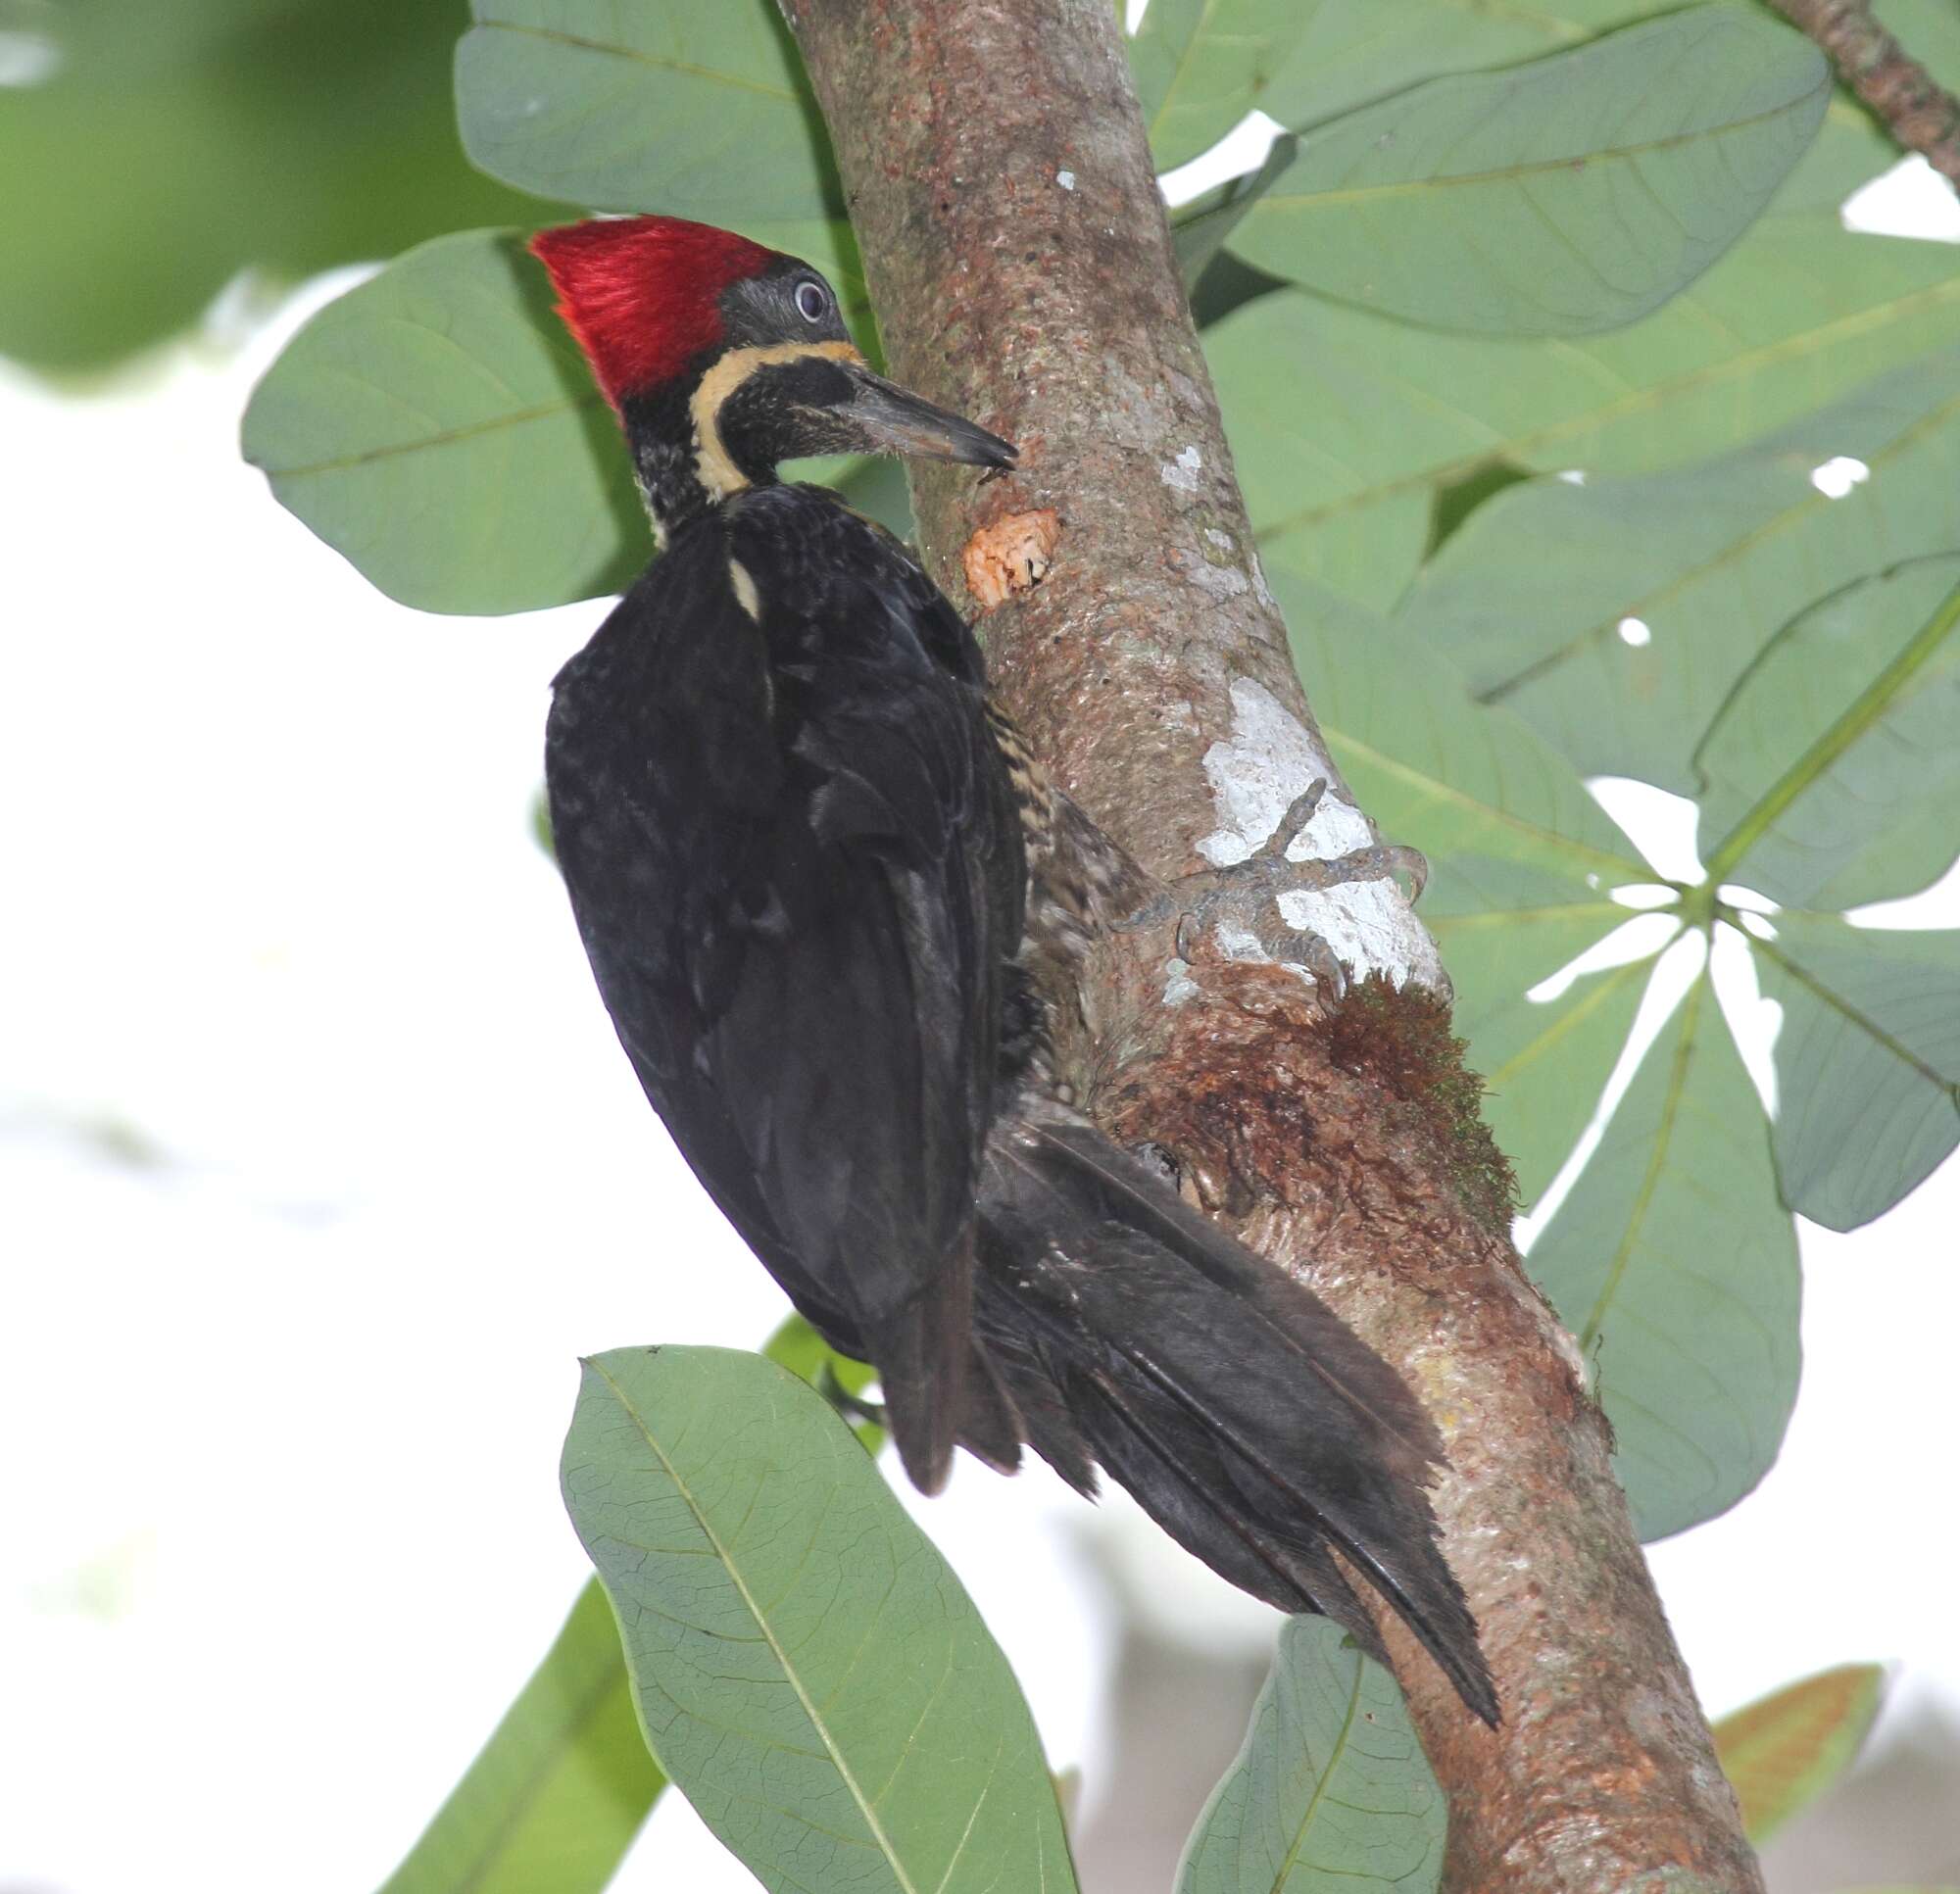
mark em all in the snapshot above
pixel 998 176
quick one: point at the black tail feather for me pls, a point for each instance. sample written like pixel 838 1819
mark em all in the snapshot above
pixel 1255 1428
pixel 930 1383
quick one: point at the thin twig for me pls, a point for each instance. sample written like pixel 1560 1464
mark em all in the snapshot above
pixel 1921 115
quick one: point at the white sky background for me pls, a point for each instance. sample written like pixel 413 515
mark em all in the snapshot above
pixel 279 1529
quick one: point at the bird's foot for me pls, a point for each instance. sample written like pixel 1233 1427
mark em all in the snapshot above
pixel 1245 896
pixel 853 1407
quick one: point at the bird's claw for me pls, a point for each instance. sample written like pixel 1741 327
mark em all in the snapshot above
pixel 853 1407
pixel 1249 892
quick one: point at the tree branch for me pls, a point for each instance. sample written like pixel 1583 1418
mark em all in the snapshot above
pixel 1921 115
pixel 1006 204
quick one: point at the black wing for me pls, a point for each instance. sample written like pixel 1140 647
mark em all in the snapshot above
pixel 785 833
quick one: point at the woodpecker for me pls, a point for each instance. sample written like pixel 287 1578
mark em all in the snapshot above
pixel 817 870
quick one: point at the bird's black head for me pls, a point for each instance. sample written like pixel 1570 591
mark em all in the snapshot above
pixel 724 359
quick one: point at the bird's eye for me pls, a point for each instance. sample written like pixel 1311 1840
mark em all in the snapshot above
pixel 812 300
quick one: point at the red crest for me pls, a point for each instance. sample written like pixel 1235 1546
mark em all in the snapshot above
pixel 641 295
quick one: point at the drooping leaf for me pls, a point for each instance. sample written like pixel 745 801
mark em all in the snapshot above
pixel 559 1791
pixel 1867 1060
pixel 1330 1794
pixel 1616 618
pixel 1562 197
pixel 556 1795
pixel 1831 769
pixel 1675 1266
pixel 695 108
pixel 1784 1750
pixel 1521 861
pixel 805 1666
pixel 170 147
pixel 435 426
pixel 1342 422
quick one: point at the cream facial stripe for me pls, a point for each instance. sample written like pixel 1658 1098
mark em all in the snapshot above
pixel 717 472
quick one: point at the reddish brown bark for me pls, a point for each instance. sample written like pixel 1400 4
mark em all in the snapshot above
pixel 999 179
pixel 1921 115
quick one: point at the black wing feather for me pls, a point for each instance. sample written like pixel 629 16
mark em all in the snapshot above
pixel 783 838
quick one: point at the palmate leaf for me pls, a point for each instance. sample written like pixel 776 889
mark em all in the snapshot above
pixel 1834 770
pixel 696 110
pixel 1521 862
pixel 556 1795
pixel 805 1666
pixel 1784 1750
pixel 1544 1063
pixel 1342 422
pixel 1566 196
pixel 1531 594
pixel 1674 1264
pixel 1330 1794
pixel 1202 65
pixel 1867 1060
pixel 435 426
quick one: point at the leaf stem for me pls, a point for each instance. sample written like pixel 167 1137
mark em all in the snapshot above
pixel 1833 744
pixel 1901 93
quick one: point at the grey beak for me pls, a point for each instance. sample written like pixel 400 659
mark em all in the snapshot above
pixel 890 421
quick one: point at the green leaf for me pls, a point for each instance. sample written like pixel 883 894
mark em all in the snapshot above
pixel 559 1791
pixel 1330 1794
pixel 1341 422
pixel 435 426
pixel 174 146
pixel 1520 859
pixel 1783 1751
pixel 1868 1061
pixel 1675 1266
pixel 1530 596
pixel 806 1666
pixel 697 108
pixel 1198 229
pixel 1566 196
pixel 1544 1063
pixel 1203 65
pixel 1831 769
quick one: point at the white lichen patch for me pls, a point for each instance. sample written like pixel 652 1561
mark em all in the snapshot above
pixel 1257 775
pixel 1221 582
pixel 1268 763
pixel 1179 986
pixel 1223 541
pixel 1181 473
pixel 1066 180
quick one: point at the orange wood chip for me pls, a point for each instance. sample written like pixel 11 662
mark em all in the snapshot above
pixel 1011 556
